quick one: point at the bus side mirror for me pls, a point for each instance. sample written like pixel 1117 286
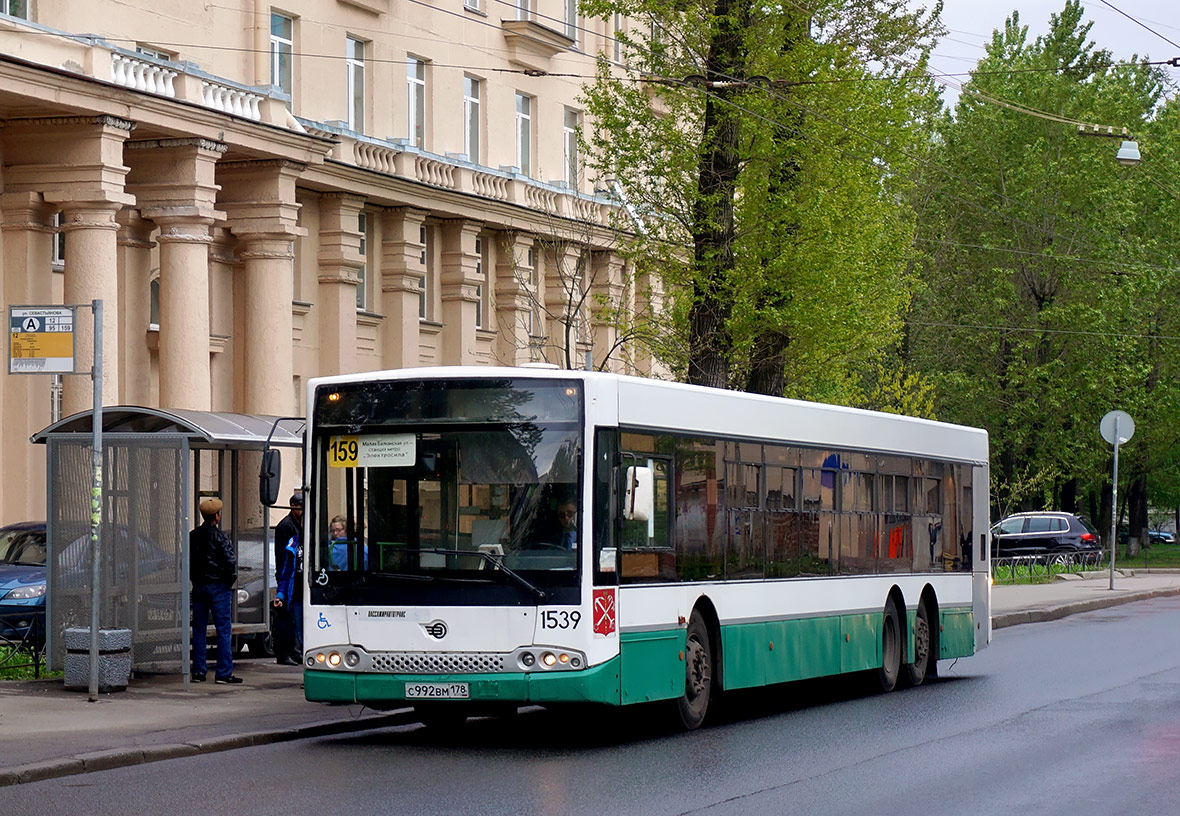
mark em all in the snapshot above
pixel 268 477
pixel 638 496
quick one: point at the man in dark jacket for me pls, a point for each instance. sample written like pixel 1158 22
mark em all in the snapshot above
pixel 287 612
pixel 213 569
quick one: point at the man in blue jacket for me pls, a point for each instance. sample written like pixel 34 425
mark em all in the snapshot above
pixel 287 611
pixel 213 569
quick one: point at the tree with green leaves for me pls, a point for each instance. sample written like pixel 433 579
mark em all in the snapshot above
pixel 770 151
pixel 1042 301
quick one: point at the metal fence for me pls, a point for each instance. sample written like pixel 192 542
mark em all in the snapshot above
pixel 1016 568
pixel 22 643
pixel 143 580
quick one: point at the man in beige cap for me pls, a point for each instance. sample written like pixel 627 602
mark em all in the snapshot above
pixel 213 569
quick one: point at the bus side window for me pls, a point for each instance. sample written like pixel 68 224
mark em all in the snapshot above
pixel 646 545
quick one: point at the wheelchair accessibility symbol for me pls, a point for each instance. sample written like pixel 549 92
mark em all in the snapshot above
pixel 322 623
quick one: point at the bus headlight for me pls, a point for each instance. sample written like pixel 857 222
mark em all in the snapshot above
pixel 351 659
pixel 334 659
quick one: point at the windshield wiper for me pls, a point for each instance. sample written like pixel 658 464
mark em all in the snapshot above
pixel 497 564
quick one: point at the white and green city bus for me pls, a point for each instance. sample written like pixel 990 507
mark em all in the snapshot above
pixel 722 541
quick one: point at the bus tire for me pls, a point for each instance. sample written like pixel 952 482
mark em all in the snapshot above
pixel 890 647
pixel 919 670
pixel 693 705
pixel 441 716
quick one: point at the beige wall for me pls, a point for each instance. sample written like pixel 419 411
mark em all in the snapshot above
pixel 248 220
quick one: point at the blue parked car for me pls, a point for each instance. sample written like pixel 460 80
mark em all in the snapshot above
pixel 22 580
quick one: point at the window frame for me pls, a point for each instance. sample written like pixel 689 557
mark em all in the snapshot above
pixel 362 288
pixel 524 133
pixel 570 125
pixel 472 129
pixel 354 59
pixel 285 83
pixel 416 101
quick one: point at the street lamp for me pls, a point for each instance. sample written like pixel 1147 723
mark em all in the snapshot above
pixel 1128 153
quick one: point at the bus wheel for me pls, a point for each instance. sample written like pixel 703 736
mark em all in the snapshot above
pixel 698 674
pixel 441 716
pixel 890 647
pixel 920 668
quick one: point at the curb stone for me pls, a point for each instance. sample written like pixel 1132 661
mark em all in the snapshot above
pixel 1051 613
pixel 125 757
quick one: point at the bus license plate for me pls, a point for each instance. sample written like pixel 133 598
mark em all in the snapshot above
pixel 436 691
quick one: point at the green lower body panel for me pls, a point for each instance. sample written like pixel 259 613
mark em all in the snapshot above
pixel 652 665
pixel 767 652
pixel 956 633
pixel 599 684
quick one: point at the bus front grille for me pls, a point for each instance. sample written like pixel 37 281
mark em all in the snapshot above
pixel 428 663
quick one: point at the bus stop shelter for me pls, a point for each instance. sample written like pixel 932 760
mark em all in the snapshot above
pixel 156 466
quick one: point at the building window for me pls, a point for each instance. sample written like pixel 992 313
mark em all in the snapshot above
pixel 471 118
pixel 362 226
pixel 481 288
pixel 471 4
pixel 59 243
pixel 571 19
pixel 424 281
pixel 617 41
pixel 523 9
pixel 569 132
pixel 355 58
pixel 524 133
pixel 55 392
pixel 15 8
pixel 154 53
pixel 416 96
pixel 154 304
pixel 534 317
pixel 282 44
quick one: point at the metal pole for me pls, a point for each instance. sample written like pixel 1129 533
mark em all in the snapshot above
pixel 1114 502
pixel 96 498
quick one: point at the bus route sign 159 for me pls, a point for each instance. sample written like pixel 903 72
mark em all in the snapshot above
pixel 40 340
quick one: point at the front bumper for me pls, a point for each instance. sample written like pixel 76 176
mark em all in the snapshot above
pixel 598 684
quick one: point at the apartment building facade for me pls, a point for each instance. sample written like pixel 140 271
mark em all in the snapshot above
pixel 263 194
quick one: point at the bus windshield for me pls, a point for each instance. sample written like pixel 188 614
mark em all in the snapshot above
pixel 447 494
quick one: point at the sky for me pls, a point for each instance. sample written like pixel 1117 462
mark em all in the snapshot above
pixel 970 24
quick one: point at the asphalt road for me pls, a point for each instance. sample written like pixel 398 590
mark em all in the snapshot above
pixel 1078 716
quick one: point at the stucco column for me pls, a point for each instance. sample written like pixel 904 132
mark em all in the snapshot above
pixel 135 277
pixel 92 259
pixel 184 313
pixel 514 298
pixel 221 319
pixel 26 222
pixel 459 280
pixel 607 309
pixel 258 198
pixel 563 280
pixel 339 273
pixel 269 369
pixel 401 284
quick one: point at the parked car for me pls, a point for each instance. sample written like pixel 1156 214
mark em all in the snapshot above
pixel 1044 533
pixel 22 581
pixel 1160 537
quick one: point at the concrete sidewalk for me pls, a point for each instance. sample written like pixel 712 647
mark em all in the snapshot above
pixel 46 731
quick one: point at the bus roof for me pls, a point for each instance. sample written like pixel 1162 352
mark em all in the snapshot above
pixel 661 405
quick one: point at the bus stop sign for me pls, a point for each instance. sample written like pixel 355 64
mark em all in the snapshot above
pixel 40 340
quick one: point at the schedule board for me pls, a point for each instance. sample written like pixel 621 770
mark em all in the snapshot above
pixel 40 340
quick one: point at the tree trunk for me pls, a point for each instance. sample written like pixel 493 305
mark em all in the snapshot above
pixel 713 228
